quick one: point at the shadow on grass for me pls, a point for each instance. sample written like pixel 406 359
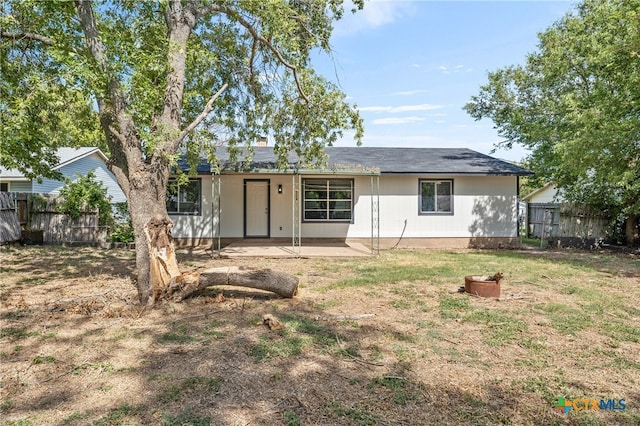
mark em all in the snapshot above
pixel 43 263
pixel 220 367
pixel 201 363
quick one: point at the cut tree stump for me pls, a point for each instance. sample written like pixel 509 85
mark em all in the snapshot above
pixel 167 282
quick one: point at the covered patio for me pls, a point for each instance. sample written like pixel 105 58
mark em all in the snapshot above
pixel 271 241
pixel 270 249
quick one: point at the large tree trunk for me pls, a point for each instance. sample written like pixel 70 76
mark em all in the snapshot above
pixel 142 171
pixel 146 203
pixel 163 265
pixel 167 282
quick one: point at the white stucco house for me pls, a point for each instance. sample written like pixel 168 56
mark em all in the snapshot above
pixel 72 160
pixel 409 197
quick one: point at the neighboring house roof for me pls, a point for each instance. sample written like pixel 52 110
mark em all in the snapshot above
pixel 66 155
pixel 548 193
pixel 440 161
pixel 69 155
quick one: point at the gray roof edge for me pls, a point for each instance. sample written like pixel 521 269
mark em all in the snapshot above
pixel 73 154
pixel 391 160
pixel 524 173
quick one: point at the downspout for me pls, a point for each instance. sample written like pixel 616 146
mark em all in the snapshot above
pixel 215 215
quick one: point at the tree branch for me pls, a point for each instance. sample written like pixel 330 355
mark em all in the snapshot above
pixel 118 135
pixel 207 109
pixel 92 35
pixel 27 36
pixel 180 21
pixel 121 177
pixel 116 109
pixel 98 52
pixel 254 33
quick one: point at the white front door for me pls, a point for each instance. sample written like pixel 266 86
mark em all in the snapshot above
pixel 256 208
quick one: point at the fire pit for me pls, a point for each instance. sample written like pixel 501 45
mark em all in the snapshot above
pixel 482 285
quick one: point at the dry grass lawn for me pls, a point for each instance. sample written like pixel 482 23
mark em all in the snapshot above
pixel 374 341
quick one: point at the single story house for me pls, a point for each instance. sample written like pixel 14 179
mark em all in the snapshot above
pixel 382 197
pixel 548 194
pixel 72 160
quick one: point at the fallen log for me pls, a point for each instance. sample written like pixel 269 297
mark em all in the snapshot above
pixel 280 283
pixel 167 282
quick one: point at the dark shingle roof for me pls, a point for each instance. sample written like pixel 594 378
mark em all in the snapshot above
pixel 441 161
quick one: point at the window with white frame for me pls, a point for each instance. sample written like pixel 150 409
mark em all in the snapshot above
pixel 328 200
pixel 436 196
pixel 185 198
pixel 4 186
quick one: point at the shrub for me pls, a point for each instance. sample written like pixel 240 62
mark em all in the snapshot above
pixel 122 231
pixel 85 193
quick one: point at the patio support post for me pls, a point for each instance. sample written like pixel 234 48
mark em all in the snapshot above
pixel 375 214
pixel 299 204
pixel 378 216
pixel 215 214
pixel 295 213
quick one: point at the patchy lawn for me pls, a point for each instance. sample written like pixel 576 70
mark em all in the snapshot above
pixel 371 341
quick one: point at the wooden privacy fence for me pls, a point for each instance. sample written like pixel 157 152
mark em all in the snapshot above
pixel 39 214
pixel 9 223
pixel 568 222
pixel 543 220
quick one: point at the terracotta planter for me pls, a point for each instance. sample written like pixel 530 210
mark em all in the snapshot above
pixel 474 284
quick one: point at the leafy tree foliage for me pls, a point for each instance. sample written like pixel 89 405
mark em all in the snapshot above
pixel 576 104
pixel 40 107
pixel 122 231
pixel 86 193
pixel 162 79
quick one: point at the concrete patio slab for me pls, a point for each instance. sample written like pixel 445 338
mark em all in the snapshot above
pixel 265 249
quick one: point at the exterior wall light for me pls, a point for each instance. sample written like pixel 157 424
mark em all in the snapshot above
pixel 279 188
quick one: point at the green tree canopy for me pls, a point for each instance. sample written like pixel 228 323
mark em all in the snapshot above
pixel 575 104
pixel 163 78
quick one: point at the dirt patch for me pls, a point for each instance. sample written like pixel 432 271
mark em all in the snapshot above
pixel 383 340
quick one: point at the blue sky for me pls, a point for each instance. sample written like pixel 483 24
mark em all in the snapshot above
pixel 411 66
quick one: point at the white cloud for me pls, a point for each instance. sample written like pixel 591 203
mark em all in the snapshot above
pixel 397 120
pixel 447 70
pixel 375 14
pixel 401 108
